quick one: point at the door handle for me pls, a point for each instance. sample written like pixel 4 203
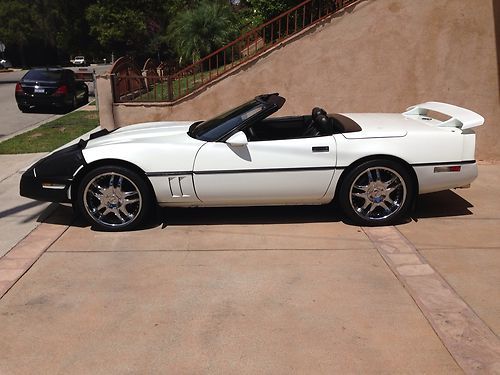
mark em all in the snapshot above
pixel 320 149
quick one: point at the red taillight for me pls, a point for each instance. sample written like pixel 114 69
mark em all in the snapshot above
pixel 61 90
pixel 19 89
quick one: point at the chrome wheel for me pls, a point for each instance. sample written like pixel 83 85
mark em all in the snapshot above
pixel 377 193
pixel 112 200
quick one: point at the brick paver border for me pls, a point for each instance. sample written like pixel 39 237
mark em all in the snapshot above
pixel 468 339
pixel 21 257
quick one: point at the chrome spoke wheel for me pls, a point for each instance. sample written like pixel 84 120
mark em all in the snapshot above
pixel 377 193
pixel 112 199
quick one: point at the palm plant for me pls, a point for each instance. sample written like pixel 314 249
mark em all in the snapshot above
pixel 197 32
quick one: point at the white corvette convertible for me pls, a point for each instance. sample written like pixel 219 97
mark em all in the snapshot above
pixel 373 164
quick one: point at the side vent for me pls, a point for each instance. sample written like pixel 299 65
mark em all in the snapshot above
pixel 175 184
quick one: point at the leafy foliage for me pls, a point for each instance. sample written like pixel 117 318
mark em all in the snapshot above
pixel 45 28
pixel 40 32
pixel 266 9
pixel 15 20
pixel 114 24
pixel 198 31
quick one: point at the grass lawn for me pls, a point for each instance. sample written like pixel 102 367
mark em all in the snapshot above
pixel 51 135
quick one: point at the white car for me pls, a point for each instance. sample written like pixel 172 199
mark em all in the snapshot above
pixel 374 164
pixel 5 64
pixel 79 61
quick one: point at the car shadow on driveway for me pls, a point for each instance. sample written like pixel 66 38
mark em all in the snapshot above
pixel 434 205
pixel 214 216
pixel 249 215
pixel 441 204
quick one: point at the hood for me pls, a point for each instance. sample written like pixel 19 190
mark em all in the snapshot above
pixel 153 147
pixel 150 132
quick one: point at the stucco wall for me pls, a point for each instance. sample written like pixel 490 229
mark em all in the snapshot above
pixel 383 57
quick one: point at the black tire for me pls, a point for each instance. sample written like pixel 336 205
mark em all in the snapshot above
pixel 86 98
pixel 23 108
pixel 377 192
pixel 114 198
pixel 74 103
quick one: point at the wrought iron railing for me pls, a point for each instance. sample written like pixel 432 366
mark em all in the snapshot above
pixel 247 47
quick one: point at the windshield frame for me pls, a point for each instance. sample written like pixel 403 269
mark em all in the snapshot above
pixel 224 125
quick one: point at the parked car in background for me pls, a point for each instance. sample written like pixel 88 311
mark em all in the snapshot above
pixel 79 61
pixel 5 64
pixel 51 87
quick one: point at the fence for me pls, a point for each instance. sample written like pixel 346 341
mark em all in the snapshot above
pixel 171 87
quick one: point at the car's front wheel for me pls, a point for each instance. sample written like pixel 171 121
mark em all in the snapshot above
pixel 113 198
pixel 85 97
pixel 377 192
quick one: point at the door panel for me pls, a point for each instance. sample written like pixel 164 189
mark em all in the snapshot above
pixel 265 172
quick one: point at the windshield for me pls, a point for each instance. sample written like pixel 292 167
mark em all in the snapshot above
pixel 43 75
pixel 214 129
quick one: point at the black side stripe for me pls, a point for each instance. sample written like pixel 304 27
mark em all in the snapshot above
pixel 234 171
pixel 161 174
pixel 301 169
pixel 268 170
pixel 444 163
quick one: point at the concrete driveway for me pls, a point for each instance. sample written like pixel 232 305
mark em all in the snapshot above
pixel 260 290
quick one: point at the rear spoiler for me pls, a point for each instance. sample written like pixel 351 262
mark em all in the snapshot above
pixel 459 117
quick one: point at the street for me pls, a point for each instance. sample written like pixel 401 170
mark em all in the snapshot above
pixel 12 119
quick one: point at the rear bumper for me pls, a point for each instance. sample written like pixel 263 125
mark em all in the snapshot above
pixel 435 177
pixel 49 101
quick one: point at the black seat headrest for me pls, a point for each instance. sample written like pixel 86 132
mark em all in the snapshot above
pixel 317 112
pixel 324 124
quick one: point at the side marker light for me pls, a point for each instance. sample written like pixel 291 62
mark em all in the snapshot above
pixel 453 168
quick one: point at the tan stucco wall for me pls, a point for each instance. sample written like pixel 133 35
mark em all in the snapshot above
pixel 383 57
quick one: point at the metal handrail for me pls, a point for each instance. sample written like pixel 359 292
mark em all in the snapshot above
pixel 245 48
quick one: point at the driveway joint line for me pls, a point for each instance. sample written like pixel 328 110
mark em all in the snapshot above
pixel 198 250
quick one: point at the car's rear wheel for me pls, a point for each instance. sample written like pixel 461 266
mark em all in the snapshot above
pixel 377 192
pixel 114 198
pixel 23 108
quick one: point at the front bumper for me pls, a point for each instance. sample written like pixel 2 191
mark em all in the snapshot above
pixel 50 179
pixel 47 190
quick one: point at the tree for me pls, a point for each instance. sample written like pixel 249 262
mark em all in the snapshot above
pixel 198 31
pixel 264 10
pixel 132 27
pixel 117 25
pixel 42 31
pixel 17 26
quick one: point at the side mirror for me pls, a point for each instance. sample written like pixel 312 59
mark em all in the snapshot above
pixel 237 139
